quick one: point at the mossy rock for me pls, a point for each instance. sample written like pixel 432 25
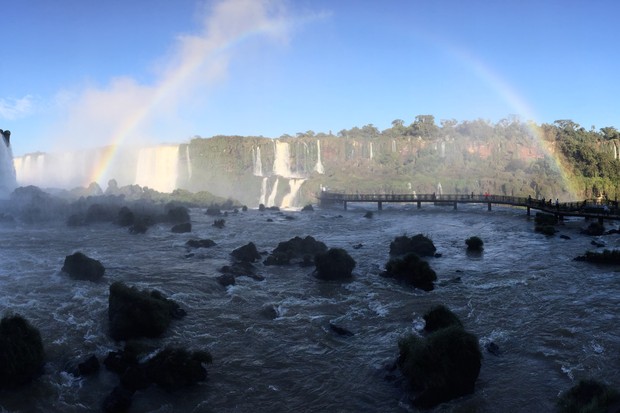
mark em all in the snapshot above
pixel 474 243
pixel 335 264
pixel 21 352
pixel 412 270
pixel 441 367
pixel 440 317
pixel 419 244
pixel 81 267
pixel 589 396
pixel 133 313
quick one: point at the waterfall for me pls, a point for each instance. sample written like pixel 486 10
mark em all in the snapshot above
pixel 289 199
pixel 258 164
pixel 271 201
pixel 615 150
pixel 282 159
pixel 319 166
pixel 8 180
pixel 157 168
pixel 393 145
pixel 439 189
pixel 371 150
pixel 189 162
pixel 29 169
pixel 443 150
pixel 263 191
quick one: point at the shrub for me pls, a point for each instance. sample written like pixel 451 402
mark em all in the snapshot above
pixel 335 264
pixel 412 270
pixel 474 244
pixel 418 244
pixel 21 351
pixel 589 396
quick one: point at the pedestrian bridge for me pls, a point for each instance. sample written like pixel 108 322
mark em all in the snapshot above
pixel 599 209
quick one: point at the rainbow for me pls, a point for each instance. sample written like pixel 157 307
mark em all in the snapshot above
pixel 510 95
pixel 174 81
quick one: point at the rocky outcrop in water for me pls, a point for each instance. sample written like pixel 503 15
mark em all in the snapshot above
pixel 412 270
pixel 419 244
pixel 133 313
pixel 296 249
pixel 440 317
pixel 200 243
pixel 181 228
pixel 443 365
pixel 21 352
pixel 246 253
pixel 334 264
pixel 589 396
pixel 81 267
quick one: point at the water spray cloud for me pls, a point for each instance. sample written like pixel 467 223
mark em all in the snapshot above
pixel 128 112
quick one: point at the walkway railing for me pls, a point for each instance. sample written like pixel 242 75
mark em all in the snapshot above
pixel 588 208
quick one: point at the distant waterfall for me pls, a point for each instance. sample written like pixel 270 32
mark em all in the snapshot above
pixel 30 169
pixel 189 162
pixel 263 192
pixel 289 199
pixel 258 164
pixel 282 159
pixel 443 150
pixel 8 181
pixel 271 201
pixel 157 168
pixel 393 145
pixel 319 165
pixel 371 155
pixel 439 189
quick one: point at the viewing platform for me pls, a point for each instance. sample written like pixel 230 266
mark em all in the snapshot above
pixel 598 209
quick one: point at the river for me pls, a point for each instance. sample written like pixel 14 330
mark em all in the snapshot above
pixel 555 320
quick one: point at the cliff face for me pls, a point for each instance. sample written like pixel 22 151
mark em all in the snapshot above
pixel 289 172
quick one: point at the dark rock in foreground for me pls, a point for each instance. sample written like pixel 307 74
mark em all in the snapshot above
pixel 411 270
pixel 81 267
pixel 443 366
pixel 335 264
pixel 440 317
pixel 474 244
pixel 21 352
pixel 589 396
pixel 133 313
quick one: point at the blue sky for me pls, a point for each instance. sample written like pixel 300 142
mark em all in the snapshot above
pixel 79 73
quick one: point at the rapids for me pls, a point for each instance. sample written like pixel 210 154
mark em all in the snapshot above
pixel 554 320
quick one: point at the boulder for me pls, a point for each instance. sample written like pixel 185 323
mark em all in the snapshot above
pixel 81 267
pixel 226 279
pixel 589 396
pixel 88 367
pixel 133 313
pixel 21 352
pixel 440 317
pixel 177 214
pixel 118 401
pixel 474 244
pixel 411 270
pixel 219 223
pixel 213 211
pixel 200 243
pixel 443 366
pixel 335 264
pixel 175 368
pixel 307 208
pixel 125 217
pixel 246 253
pixel 419 244
pixel 139 227
pixel 182 228
pixel 295 249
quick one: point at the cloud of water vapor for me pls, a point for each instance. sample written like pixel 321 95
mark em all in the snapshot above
pixel 11 109
pixel 127 111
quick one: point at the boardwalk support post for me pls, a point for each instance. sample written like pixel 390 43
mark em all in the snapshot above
pixel 528 211
pixel 489 206
pixel 345 205
pixel 454 204
pixel 380 205
pixel 419 204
